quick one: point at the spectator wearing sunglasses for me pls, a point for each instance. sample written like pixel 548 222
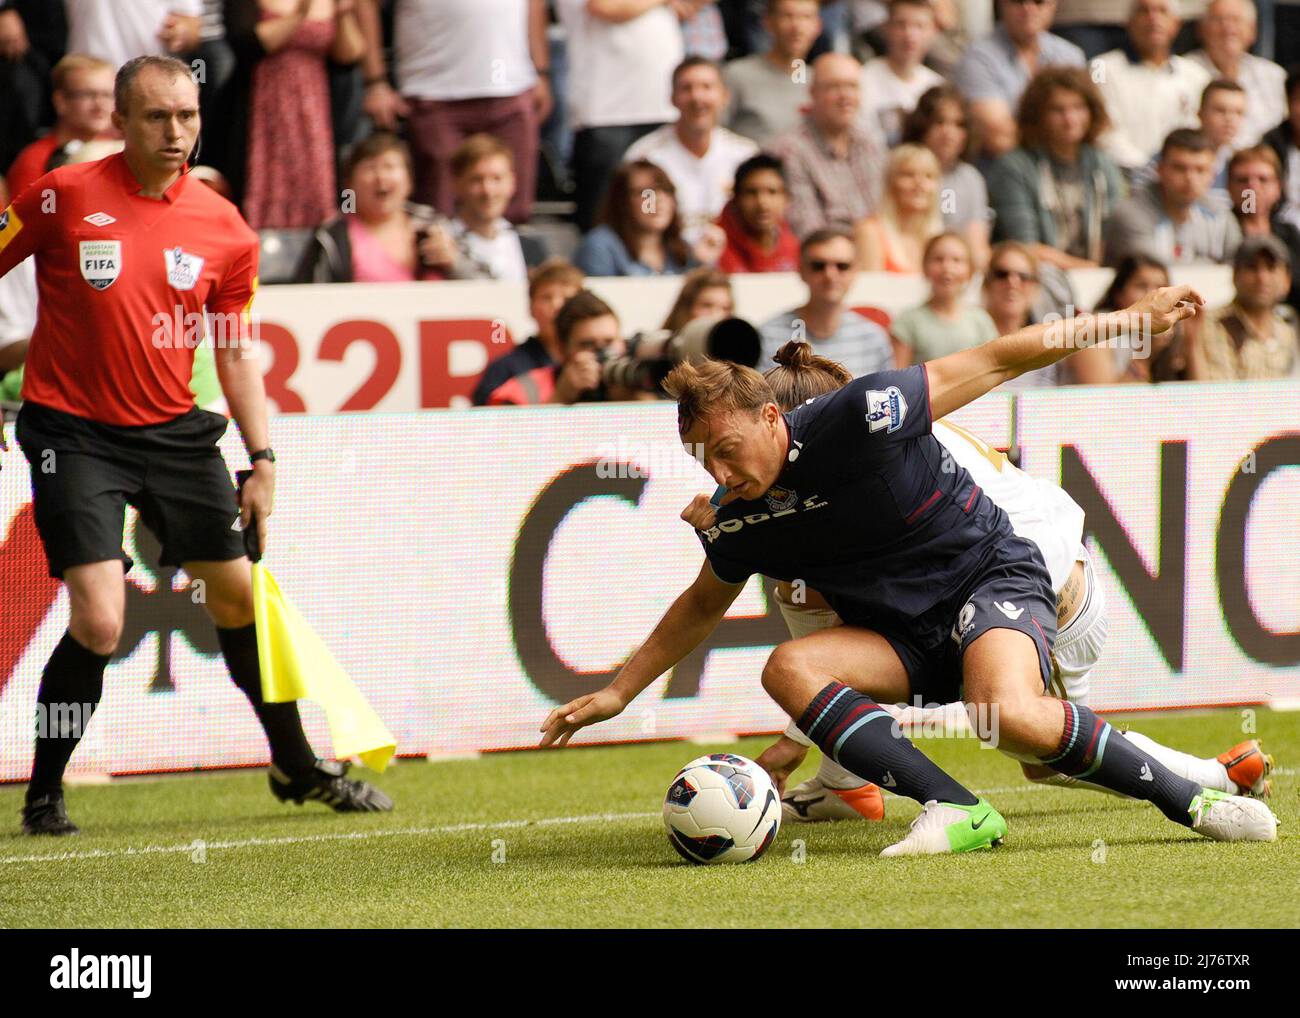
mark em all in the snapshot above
pixel 1012 298
pixel 826 265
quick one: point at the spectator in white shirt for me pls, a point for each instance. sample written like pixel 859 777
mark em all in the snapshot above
pixel 120 30
pixel 483 243
pixel 621 59
pixel 768 90
pixel 1151 93
pixel 699 156
pixel 892 84
pixel 1227 32
pixel 463 67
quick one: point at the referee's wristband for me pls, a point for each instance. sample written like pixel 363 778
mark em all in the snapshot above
pixel 267 454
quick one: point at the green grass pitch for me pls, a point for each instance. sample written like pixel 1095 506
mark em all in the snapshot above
pixel 573 838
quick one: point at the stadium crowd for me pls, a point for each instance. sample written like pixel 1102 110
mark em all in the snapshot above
pixel 990 146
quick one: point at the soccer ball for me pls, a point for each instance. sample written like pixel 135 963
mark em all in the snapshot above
pixel 722 808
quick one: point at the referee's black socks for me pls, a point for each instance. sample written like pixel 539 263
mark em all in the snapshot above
pixel 71 686
pixel 290 750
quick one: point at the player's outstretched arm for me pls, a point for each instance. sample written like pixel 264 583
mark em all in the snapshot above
pixel 963 377
pixel 692 617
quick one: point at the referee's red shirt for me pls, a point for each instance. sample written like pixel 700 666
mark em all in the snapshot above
pixel 117 273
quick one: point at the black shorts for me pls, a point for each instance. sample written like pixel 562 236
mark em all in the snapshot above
pixel 84 474
pixel 1012 590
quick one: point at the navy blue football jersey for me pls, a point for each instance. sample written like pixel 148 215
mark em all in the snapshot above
pixel 868 510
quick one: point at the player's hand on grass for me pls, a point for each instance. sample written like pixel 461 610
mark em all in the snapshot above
pixel 780 760
pixel 257 499
pixel 563 722
pixel 1167 306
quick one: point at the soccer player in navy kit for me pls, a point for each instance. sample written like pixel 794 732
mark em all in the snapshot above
pixel 941 600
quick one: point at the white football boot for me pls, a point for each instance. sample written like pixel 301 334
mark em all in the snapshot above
pixel 945 827
pixel 814 801
pixel 1225 817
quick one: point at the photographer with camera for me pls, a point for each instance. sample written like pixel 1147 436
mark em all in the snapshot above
pixel 589 335
pixel 599 366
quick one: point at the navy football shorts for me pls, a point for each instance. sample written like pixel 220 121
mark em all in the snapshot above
pixel 1012 590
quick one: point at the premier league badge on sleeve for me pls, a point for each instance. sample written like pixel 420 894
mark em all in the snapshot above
pixel 886 409
pixel 101 262
pixel 183 269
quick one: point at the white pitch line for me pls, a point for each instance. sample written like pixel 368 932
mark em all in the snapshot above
pixel 306 839
pixel 497 825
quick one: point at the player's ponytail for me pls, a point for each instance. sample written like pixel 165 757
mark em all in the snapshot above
pixel 800 375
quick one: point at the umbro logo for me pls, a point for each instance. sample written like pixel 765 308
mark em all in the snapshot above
pixel 99 219
pixel 888 780
pixel 1008 609
pixel 1146 772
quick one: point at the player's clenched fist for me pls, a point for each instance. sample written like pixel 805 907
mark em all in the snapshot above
pixel 701 513
pixel 563 722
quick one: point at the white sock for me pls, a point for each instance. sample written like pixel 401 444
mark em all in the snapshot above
pixel 793 733
pixel 1206 773
pixel 834 776
pixel 1066 781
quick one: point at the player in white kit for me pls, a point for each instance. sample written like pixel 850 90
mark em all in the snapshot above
pixel 1039 511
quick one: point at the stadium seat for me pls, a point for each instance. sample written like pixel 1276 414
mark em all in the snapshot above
pixel 560 237
pixel 878 315
pixel 281 252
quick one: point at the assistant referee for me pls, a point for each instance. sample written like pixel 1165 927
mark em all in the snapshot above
pixel 124 247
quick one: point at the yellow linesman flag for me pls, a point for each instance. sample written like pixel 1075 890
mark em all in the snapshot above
pixel 296 665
